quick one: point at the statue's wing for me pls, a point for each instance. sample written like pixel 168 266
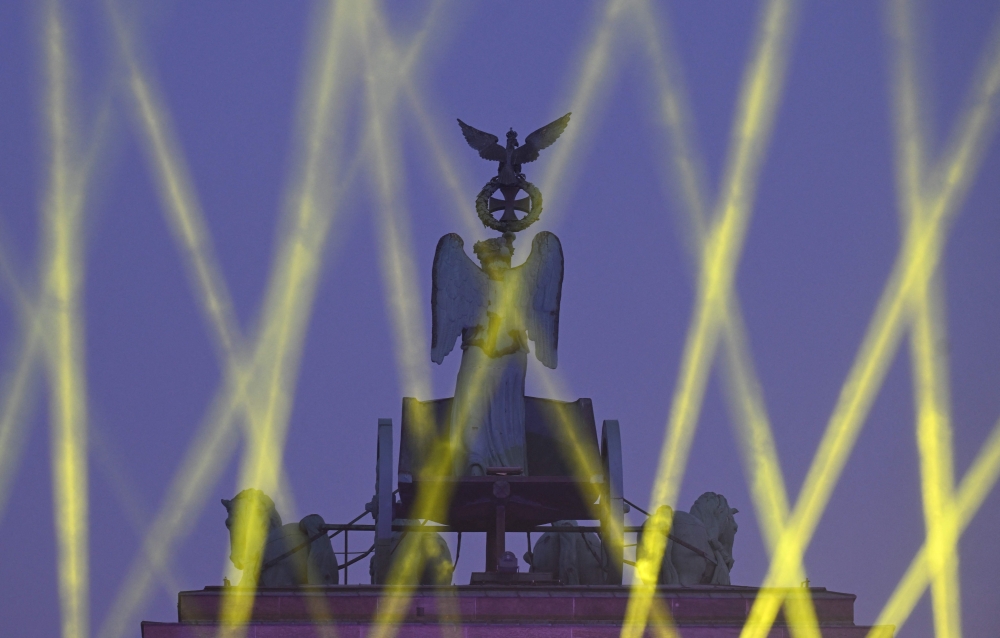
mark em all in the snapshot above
pixel 540 280
pixel 542 138
pixel 486 143
pixel 459 294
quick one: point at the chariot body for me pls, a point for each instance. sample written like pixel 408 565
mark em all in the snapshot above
pixel 569 476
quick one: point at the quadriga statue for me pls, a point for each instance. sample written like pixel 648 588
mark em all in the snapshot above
pixel 573 558
pixel 438 567
pixel 700 548
pixel 293 554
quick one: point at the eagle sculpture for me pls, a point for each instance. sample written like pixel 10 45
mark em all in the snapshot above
pixel 513 155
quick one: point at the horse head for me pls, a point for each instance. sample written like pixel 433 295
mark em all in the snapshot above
pixel 713 510
pixel 251 516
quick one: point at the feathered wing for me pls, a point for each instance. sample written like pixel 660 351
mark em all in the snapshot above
pixel 540 281
pixel 542 138
pixel 459 295
pixel 486 143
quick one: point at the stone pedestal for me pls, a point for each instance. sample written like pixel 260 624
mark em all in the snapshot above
pixel 494 612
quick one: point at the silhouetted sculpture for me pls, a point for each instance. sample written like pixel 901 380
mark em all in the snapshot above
pixel 700 548
pixel 293 554
pixel 496 309
pixel 435 555
pixel 513 155
pixel 573 558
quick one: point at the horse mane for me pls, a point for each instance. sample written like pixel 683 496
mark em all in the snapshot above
pixel 711 509
pixel 264 502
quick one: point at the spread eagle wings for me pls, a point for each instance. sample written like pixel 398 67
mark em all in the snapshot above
pixel 460 295
pixel 486 143
pixel 539 280
pixel 542 138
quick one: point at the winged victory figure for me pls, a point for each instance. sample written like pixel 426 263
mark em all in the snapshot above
pixel 496 309
pixel 513 155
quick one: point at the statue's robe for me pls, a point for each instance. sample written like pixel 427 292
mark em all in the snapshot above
pixel 489 393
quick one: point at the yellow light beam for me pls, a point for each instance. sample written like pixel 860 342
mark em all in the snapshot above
pixel 584 467
pixel 760 455
pixel 205 460
pixel 177 192
pixel 383 78
pixel 758 100
pixel 591 80
pixel 759 452
pixel 18 389
pixel 402 74
pixel 934 443
pixel 406 567
pixel 976 486
pixel 187 222
pixel 932 404
pixel 68 402
pixel 387 72
pixel 292 287
pixel 430 502
pixel 915 264
pixel 463 203
pixel 215 438
pixel 18 383
pixel 209 452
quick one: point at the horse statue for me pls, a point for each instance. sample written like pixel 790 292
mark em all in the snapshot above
pixel 292 554
pixel 699 550
pixel 573 558
pixel 438 567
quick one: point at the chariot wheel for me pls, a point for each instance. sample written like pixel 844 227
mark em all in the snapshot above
pixel 612 501
pixel 383 501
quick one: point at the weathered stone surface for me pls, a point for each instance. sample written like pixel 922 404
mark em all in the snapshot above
pixel 700 546
pixel 292 554
pixel 474 612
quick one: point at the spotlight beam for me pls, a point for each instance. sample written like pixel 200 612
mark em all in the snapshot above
pixel 180 205
pixel 931 392
pixel 64 347
pixel 930 380
pixel 584 468
pixel 384 73
pixel 446 168
pixel 292 286
pixel 915 265
pixel 751 129
pixel 428 502
pixel 400 66
pixel 277 345
pixel 975 487
pixel 592 78
pixel 13 422
pixel 19 382
pixel 749 412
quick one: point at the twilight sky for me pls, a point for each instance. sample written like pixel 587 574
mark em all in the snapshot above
pixel 233 82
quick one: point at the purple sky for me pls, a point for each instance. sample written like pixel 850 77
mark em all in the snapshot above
pixel 822 239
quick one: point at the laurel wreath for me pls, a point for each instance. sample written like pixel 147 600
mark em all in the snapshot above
pixel 483 206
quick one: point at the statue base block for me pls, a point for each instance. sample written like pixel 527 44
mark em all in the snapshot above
pixel 493 611
pixel 534 579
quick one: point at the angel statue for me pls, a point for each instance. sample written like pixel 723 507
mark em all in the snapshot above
pixel 496 309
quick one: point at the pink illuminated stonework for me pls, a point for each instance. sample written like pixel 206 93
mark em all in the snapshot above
pixel 494 612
